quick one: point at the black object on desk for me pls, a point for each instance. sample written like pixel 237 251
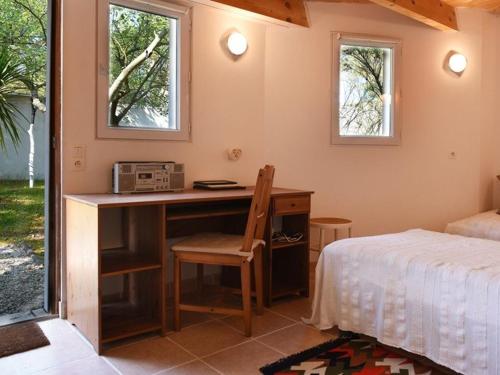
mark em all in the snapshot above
pixel 217 185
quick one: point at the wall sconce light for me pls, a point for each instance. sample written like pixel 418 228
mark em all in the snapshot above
pixel 457 63
pixel 237 43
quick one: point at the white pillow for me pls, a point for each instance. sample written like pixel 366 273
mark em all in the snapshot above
pixel 484 225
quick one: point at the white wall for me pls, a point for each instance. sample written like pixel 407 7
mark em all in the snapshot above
pixel 384 189
pixel 14 162
pixel 227 104
pixel 274 103
pixel 490 121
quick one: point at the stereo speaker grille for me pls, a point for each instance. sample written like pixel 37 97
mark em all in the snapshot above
pixel 177 181
pixel 127 182
pixel 126 168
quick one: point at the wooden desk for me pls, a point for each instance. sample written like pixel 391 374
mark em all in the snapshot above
pixel 117 256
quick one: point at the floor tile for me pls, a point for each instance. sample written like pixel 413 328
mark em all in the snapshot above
pixel 207 338
pixel 192 368
pixel 214 295
pixel 333 332
pixel 65 346
pixel 295 309
pixel 261 324
pixel 93 365
pixel 188 318
pixel 243 359
pixel 294 339
pixel 148 356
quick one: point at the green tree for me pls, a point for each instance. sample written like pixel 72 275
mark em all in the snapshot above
pixel 139 62
pixel 23 34
pixel 10 75
pixel 363 81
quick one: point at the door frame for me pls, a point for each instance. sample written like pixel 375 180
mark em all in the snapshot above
pixel 53 203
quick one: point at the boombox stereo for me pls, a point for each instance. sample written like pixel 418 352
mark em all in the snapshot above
pixel 142 177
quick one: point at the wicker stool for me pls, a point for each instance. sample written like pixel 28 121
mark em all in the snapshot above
pixel 329 223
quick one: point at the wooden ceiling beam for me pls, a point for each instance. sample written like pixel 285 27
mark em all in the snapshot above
pixel 435 13
pixel 291 11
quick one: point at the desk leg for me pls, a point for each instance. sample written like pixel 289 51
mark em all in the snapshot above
pixel 199 277
pixel 177 293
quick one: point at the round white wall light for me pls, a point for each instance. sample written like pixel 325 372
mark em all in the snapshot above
pixel 457 63
pixel 237 43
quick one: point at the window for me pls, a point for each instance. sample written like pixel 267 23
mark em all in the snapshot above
pixel 143 70
pixel 366 90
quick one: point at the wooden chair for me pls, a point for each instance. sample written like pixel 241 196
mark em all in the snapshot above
pixel 229 250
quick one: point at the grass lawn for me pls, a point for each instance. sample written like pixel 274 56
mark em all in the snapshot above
pixel 22 214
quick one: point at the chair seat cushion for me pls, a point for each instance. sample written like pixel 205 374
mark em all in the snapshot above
pixel 216 243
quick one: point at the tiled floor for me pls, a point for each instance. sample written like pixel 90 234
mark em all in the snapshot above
pixel 208 344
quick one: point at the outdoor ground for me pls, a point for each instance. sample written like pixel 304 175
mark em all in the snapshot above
pixel 22 215
pixel 21 247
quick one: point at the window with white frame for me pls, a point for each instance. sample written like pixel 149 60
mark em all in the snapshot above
pixel 366 90
pixel 143 70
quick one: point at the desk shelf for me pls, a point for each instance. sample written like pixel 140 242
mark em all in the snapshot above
pixel 207 210
pixel 135 310
pixel 129 326
pixel 289 261
pixel 284 245
pixel 121 261
pixel 198 214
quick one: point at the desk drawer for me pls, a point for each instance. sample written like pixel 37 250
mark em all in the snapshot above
pixel 292 205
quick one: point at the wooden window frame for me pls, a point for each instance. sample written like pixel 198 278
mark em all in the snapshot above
pixel 340 38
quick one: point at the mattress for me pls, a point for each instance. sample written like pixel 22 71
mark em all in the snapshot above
pixel 483 225
pixel 433 294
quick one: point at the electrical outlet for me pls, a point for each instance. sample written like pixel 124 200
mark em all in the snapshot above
pixel 78 158
pixel 452 155
pixel 234 154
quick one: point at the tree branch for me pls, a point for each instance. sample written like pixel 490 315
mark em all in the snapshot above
pixel 138 95
pixel 134 64
pixel 37 17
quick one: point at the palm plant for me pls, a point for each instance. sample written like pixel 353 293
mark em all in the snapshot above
pixel 10 76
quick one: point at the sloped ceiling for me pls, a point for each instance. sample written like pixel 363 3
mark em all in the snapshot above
pixel 439 14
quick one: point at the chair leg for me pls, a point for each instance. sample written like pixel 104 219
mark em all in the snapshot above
pixel 199 277
pixel 246 294
pixel 177 293
pixel 259 288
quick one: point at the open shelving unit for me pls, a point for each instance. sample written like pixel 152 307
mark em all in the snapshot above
pixel 135 309
pixel 132 257
pixel 288 262
pixel 117 278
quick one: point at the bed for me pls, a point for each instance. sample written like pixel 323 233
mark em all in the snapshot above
pixel 483 225
pixel 433 294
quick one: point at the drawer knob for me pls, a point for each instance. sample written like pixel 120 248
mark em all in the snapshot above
pixel 293 204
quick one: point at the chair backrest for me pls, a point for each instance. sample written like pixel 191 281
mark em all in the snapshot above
pixel 257 217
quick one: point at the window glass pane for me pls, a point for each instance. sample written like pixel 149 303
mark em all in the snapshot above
pixel 366 91
pixel 142 69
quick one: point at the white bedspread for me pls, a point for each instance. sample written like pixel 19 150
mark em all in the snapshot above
pixel 434 294
pixel 483 225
